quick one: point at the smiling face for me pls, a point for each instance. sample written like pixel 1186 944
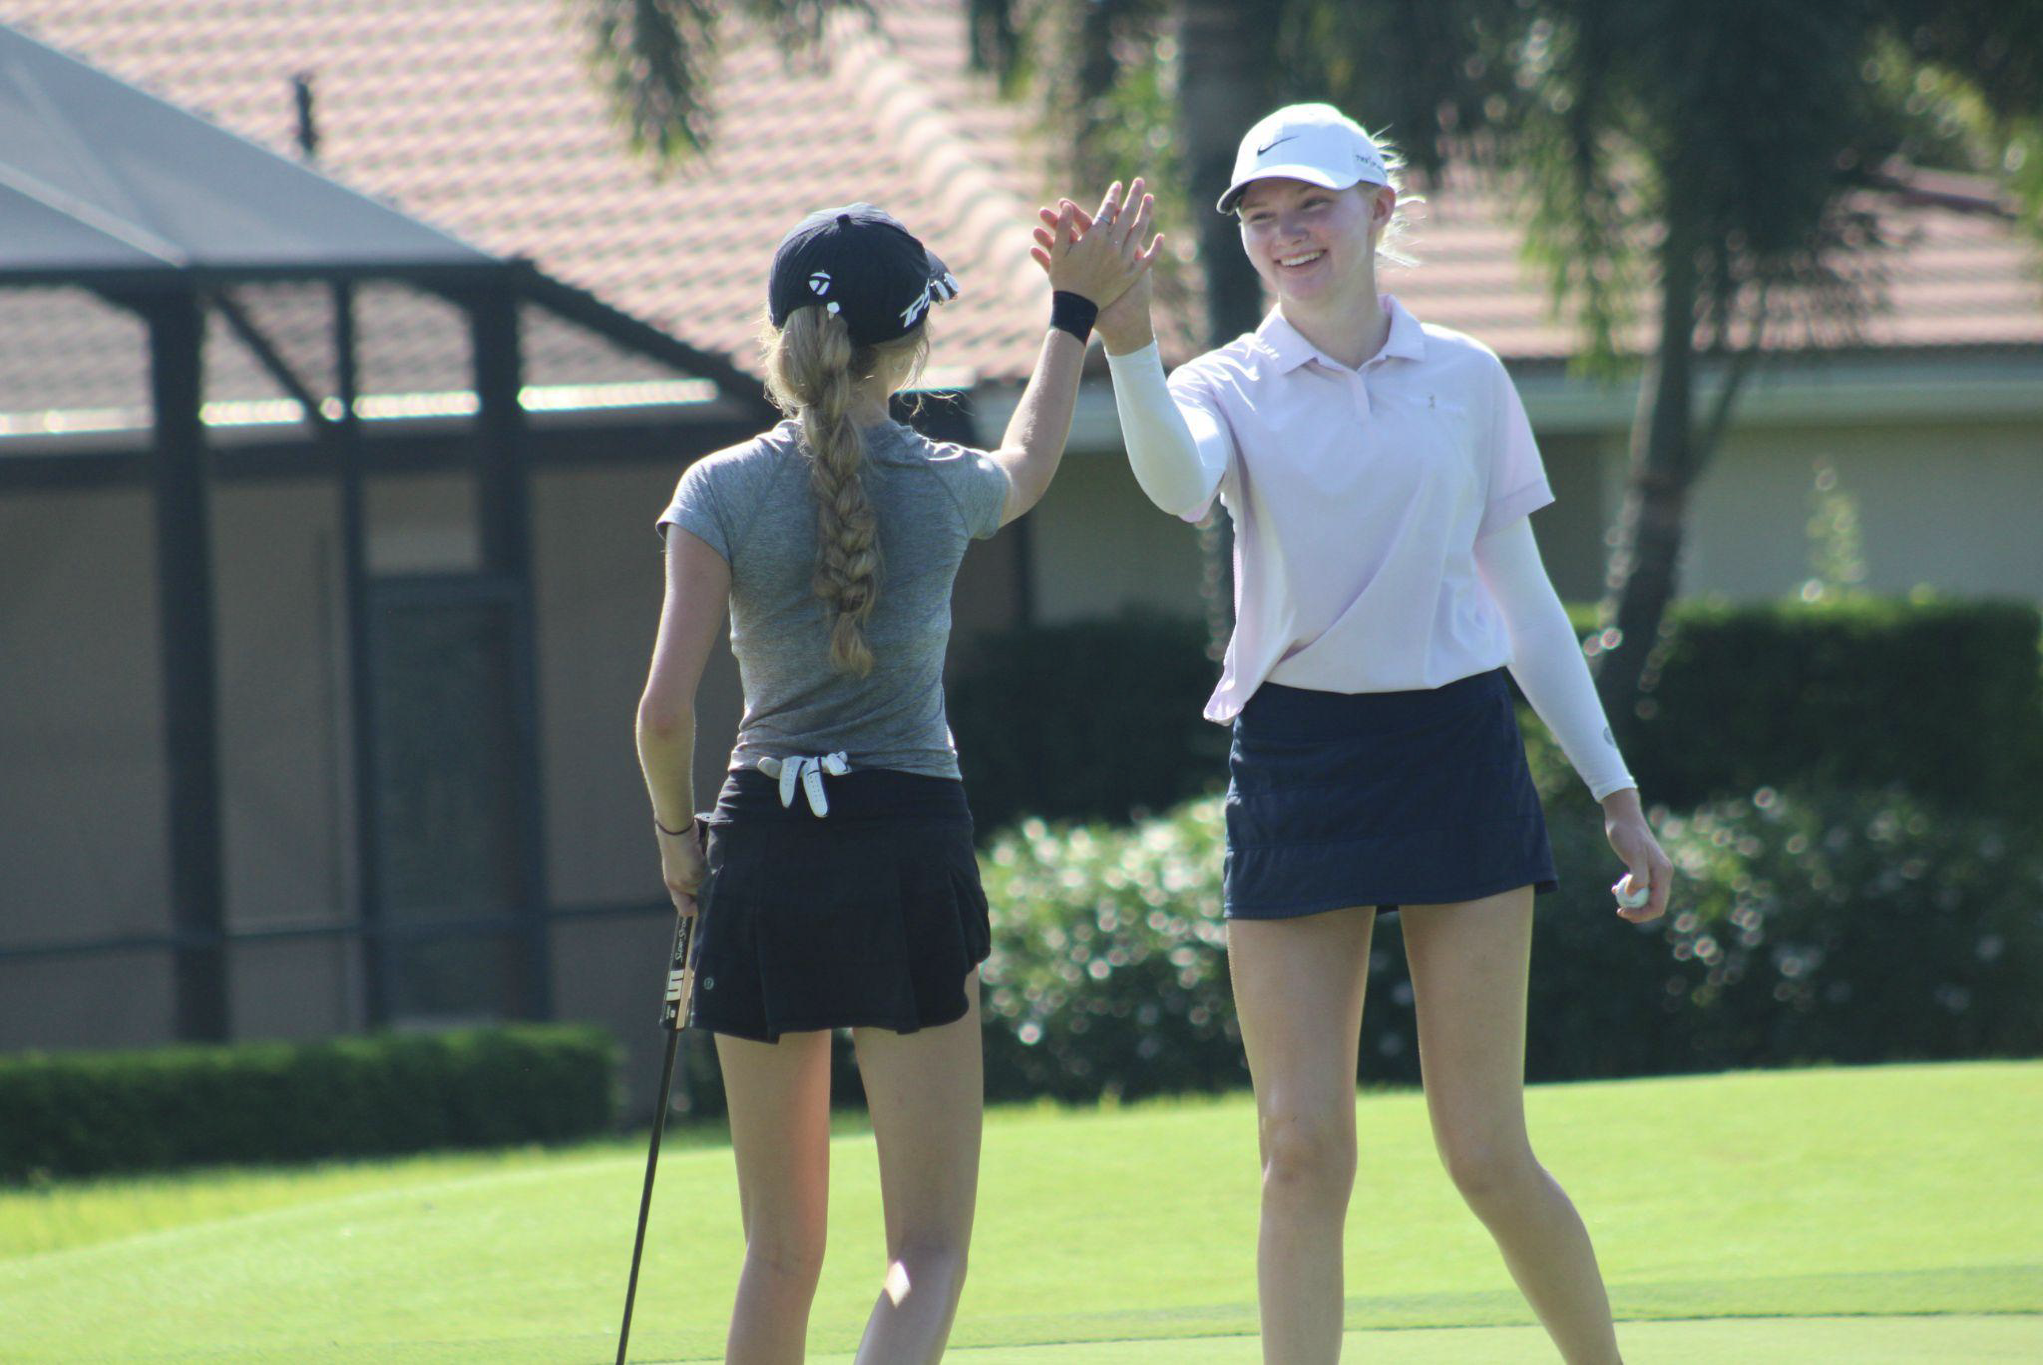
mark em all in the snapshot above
pixel 1314 245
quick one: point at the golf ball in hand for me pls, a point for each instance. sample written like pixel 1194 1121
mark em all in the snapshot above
pixel 1628 898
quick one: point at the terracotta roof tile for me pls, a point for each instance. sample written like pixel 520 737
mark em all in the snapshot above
pixel 479 116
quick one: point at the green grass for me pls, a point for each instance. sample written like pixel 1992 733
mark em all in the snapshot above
pixel 1861 1341
pixel 1829 1197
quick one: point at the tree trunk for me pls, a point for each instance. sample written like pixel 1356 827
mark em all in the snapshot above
pixel 1644 562
pixel 1227 52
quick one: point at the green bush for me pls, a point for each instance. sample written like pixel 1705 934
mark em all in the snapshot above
pixel 1092 720
pixel 1840 926
pixel 70 1114
pixel 1856 927
pixel 1109 969
pixel 1945 698
pixel 1097 719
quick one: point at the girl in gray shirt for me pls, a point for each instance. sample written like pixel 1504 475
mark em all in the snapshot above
pixel 837 887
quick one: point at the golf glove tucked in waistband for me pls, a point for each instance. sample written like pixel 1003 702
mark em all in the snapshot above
pixel 807 770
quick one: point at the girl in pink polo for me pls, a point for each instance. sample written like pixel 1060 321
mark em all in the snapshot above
pixel 1380 472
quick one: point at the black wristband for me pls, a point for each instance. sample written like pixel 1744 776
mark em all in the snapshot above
pixel 1073 313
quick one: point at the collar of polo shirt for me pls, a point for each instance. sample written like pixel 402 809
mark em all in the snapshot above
pixel 1288 346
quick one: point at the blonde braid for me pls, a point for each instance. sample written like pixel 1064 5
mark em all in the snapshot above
pixel 813 374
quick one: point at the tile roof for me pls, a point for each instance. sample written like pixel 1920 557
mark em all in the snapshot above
pixel 1955 273
pixel 479 116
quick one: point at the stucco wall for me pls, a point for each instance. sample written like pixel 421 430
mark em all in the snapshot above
pixel 287 814
pixel 1954 508
pixel 1097 545
pixel 1947 506
pixel 82 780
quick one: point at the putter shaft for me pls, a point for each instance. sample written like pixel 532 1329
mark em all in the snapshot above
pixel 674 1017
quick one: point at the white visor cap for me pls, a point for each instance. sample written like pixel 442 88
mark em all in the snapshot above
pixel 1316 143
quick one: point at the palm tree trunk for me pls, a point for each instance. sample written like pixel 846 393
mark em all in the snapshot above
pixel 1644 563
pixel 1227 55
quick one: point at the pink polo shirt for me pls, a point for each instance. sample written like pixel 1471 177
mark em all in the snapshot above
pixel 1357 497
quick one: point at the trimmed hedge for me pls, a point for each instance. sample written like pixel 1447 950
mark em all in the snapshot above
pixel 1092 720
pixel 1945 698
pixel 1832 926
pixel 88 1113
pixel 1101 719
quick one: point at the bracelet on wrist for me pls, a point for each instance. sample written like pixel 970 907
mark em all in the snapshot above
pixel 1073 313
pixel 673 833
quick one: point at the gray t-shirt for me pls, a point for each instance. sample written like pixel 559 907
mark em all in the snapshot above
pixel 752 505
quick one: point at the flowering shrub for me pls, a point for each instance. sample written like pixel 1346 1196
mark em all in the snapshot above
pixel 1109 969
pixel 1825 926
pixel 1855 927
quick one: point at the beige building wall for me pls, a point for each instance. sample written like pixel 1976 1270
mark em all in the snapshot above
pixel 82 780
pixel 83 851
pixel 1951 507
pixel 1097 546
pixel 1946 505
pixel 286 732
pixel 285 747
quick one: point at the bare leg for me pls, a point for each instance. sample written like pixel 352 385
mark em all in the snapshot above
pixel 1469 965
pixel 779 1095
pixel 1298 988
pixel 926 1092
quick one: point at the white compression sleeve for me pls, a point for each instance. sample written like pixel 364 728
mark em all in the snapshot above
pixel 1546 659
pixel 1178 453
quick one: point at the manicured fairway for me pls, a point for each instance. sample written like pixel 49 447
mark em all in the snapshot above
pixel 1861 1341
pixel 1895 1213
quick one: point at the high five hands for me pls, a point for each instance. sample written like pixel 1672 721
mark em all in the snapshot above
pixel 1102 255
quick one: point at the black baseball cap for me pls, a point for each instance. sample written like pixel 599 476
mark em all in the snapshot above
pixel 861 264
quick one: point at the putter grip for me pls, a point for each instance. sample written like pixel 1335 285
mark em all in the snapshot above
pixel 679 1003
pixel 680 976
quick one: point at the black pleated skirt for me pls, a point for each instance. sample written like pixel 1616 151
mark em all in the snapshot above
pixel 871 916
pixel 1380 798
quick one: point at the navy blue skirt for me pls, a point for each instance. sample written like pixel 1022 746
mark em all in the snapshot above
pixel 1380 798
pixel 871 916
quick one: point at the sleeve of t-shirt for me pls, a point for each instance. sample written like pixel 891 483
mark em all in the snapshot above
pixel 976 482
pixel 698 510
pixel 1191 389
pixel 1517 483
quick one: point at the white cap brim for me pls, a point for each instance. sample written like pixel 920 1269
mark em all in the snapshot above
pixel 1311 175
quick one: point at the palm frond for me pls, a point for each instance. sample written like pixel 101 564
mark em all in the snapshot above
pixel 656 60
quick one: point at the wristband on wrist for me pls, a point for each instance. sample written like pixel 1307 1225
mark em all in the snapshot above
pixel 1073 313
pixel 672 833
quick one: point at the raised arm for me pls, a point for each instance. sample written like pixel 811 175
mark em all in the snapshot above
pixel 1098 262
pixel 1178 452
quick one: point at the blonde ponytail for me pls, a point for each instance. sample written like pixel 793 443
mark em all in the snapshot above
pixel 814 373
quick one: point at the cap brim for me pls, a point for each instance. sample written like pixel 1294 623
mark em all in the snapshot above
pixel 1311 175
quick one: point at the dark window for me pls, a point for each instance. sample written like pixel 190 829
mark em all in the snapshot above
pixel 449 879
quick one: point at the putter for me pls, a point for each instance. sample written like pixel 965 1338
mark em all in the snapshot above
pixel 675 1011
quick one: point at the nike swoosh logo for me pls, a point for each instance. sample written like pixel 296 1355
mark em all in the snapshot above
pixel 1273 142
